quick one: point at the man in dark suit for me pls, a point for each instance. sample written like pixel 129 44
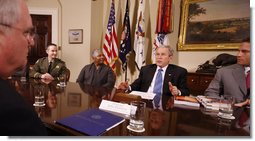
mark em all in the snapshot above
pixel 230 81
pixel 174 77
pixel 17 118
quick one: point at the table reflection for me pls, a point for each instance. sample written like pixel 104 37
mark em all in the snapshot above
pixel 156 122
pixel 96 94
pixel 167 120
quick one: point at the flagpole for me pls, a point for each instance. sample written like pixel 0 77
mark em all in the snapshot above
pixel 126 71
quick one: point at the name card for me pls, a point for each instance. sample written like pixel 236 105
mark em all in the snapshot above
pixel 144 95
pixel 115 107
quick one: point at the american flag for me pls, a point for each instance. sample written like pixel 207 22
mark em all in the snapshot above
pixel 125 45
pixel 110 48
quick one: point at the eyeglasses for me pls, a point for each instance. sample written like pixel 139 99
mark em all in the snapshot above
pixel 29 33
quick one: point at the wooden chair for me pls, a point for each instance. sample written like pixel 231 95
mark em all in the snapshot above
pixel 68 73
pixel 126 98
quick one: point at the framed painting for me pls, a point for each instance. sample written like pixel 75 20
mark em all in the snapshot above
pixel 213 24
pixel 75 36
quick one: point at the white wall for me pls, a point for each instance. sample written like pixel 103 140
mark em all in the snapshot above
pixel 73 14
pixel 92 17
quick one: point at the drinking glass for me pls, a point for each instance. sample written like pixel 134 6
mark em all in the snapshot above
pixel 62 80
pixel 23 79
pixel 226 108
pixel 137 112
pixel 39 96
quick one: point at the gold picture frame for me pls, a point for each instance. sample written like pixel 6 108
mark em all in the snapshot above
pixel 75 36
pixel 201 30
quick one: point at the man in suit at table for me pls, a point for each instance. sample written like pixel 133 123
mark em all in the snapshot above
pixel 174 77
pixel 231 81
pixel 50 67
pixel 17 117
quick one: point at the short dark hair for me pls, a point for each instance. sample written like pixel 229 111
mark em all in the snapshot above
pixel 51 44
pixel 246 40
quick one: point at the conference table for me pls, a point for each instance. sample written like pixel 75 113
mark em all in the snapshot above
pixel 167 120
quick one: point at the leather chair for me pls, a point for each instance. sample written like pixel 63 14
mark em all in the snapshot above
pixel 126 98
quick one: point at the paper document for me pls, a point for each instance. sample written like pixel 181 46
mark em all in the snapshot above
pixel 144 95
pixel 115 107
pixel 188 103
pixel 209 102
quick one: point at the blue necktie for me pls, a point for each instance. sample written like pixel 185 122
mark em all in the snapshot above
pixel 157 88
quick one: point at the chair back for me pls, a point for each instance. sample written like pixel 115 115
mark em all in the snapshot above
pixel 68 73
pixel 126 98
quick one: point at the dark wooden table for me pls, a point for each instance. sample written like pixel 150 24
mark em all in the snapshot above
pixel 169 120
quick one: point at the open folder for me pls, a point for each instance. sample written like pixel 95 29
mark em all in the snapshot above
pixel 93 122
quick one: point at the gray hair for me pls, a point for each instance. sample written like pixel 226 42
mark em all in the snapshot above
pixel 170 49
pixel 9 13
pixel 95 52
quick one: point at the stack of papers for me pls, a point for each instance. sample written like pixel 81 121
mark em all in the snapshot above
pixel 208 102
pixel 186 100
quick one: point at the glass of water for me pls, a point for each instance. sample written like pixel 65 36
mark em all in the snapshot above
pixel 39 97
pixel 226 108
pixel 62 80
pixel 137 112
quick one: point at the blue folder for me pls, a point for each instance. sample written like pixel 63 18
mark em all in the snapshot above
pixel 93 122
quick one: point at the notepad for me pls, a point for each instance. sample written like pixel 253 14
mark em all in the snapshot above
pixel 144 95
pixel 93 122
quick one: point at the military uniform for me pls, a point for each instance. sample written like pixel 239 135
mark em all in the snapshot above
pixel 41 66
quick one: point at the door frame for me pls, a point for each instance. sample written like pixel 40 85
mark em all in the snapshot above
pixel 54 22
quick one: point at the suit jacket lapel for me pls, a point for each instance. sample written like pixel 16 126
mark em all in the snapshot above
pixel 168 74
pixel 167 78
pixel 46 64
pixel 151 73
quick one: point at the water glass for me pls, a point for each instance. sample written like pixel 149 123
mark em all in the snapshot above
pixel 39 97
pixel 137 114
pixel 226 107
pixel 23 79
pixel 62 80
